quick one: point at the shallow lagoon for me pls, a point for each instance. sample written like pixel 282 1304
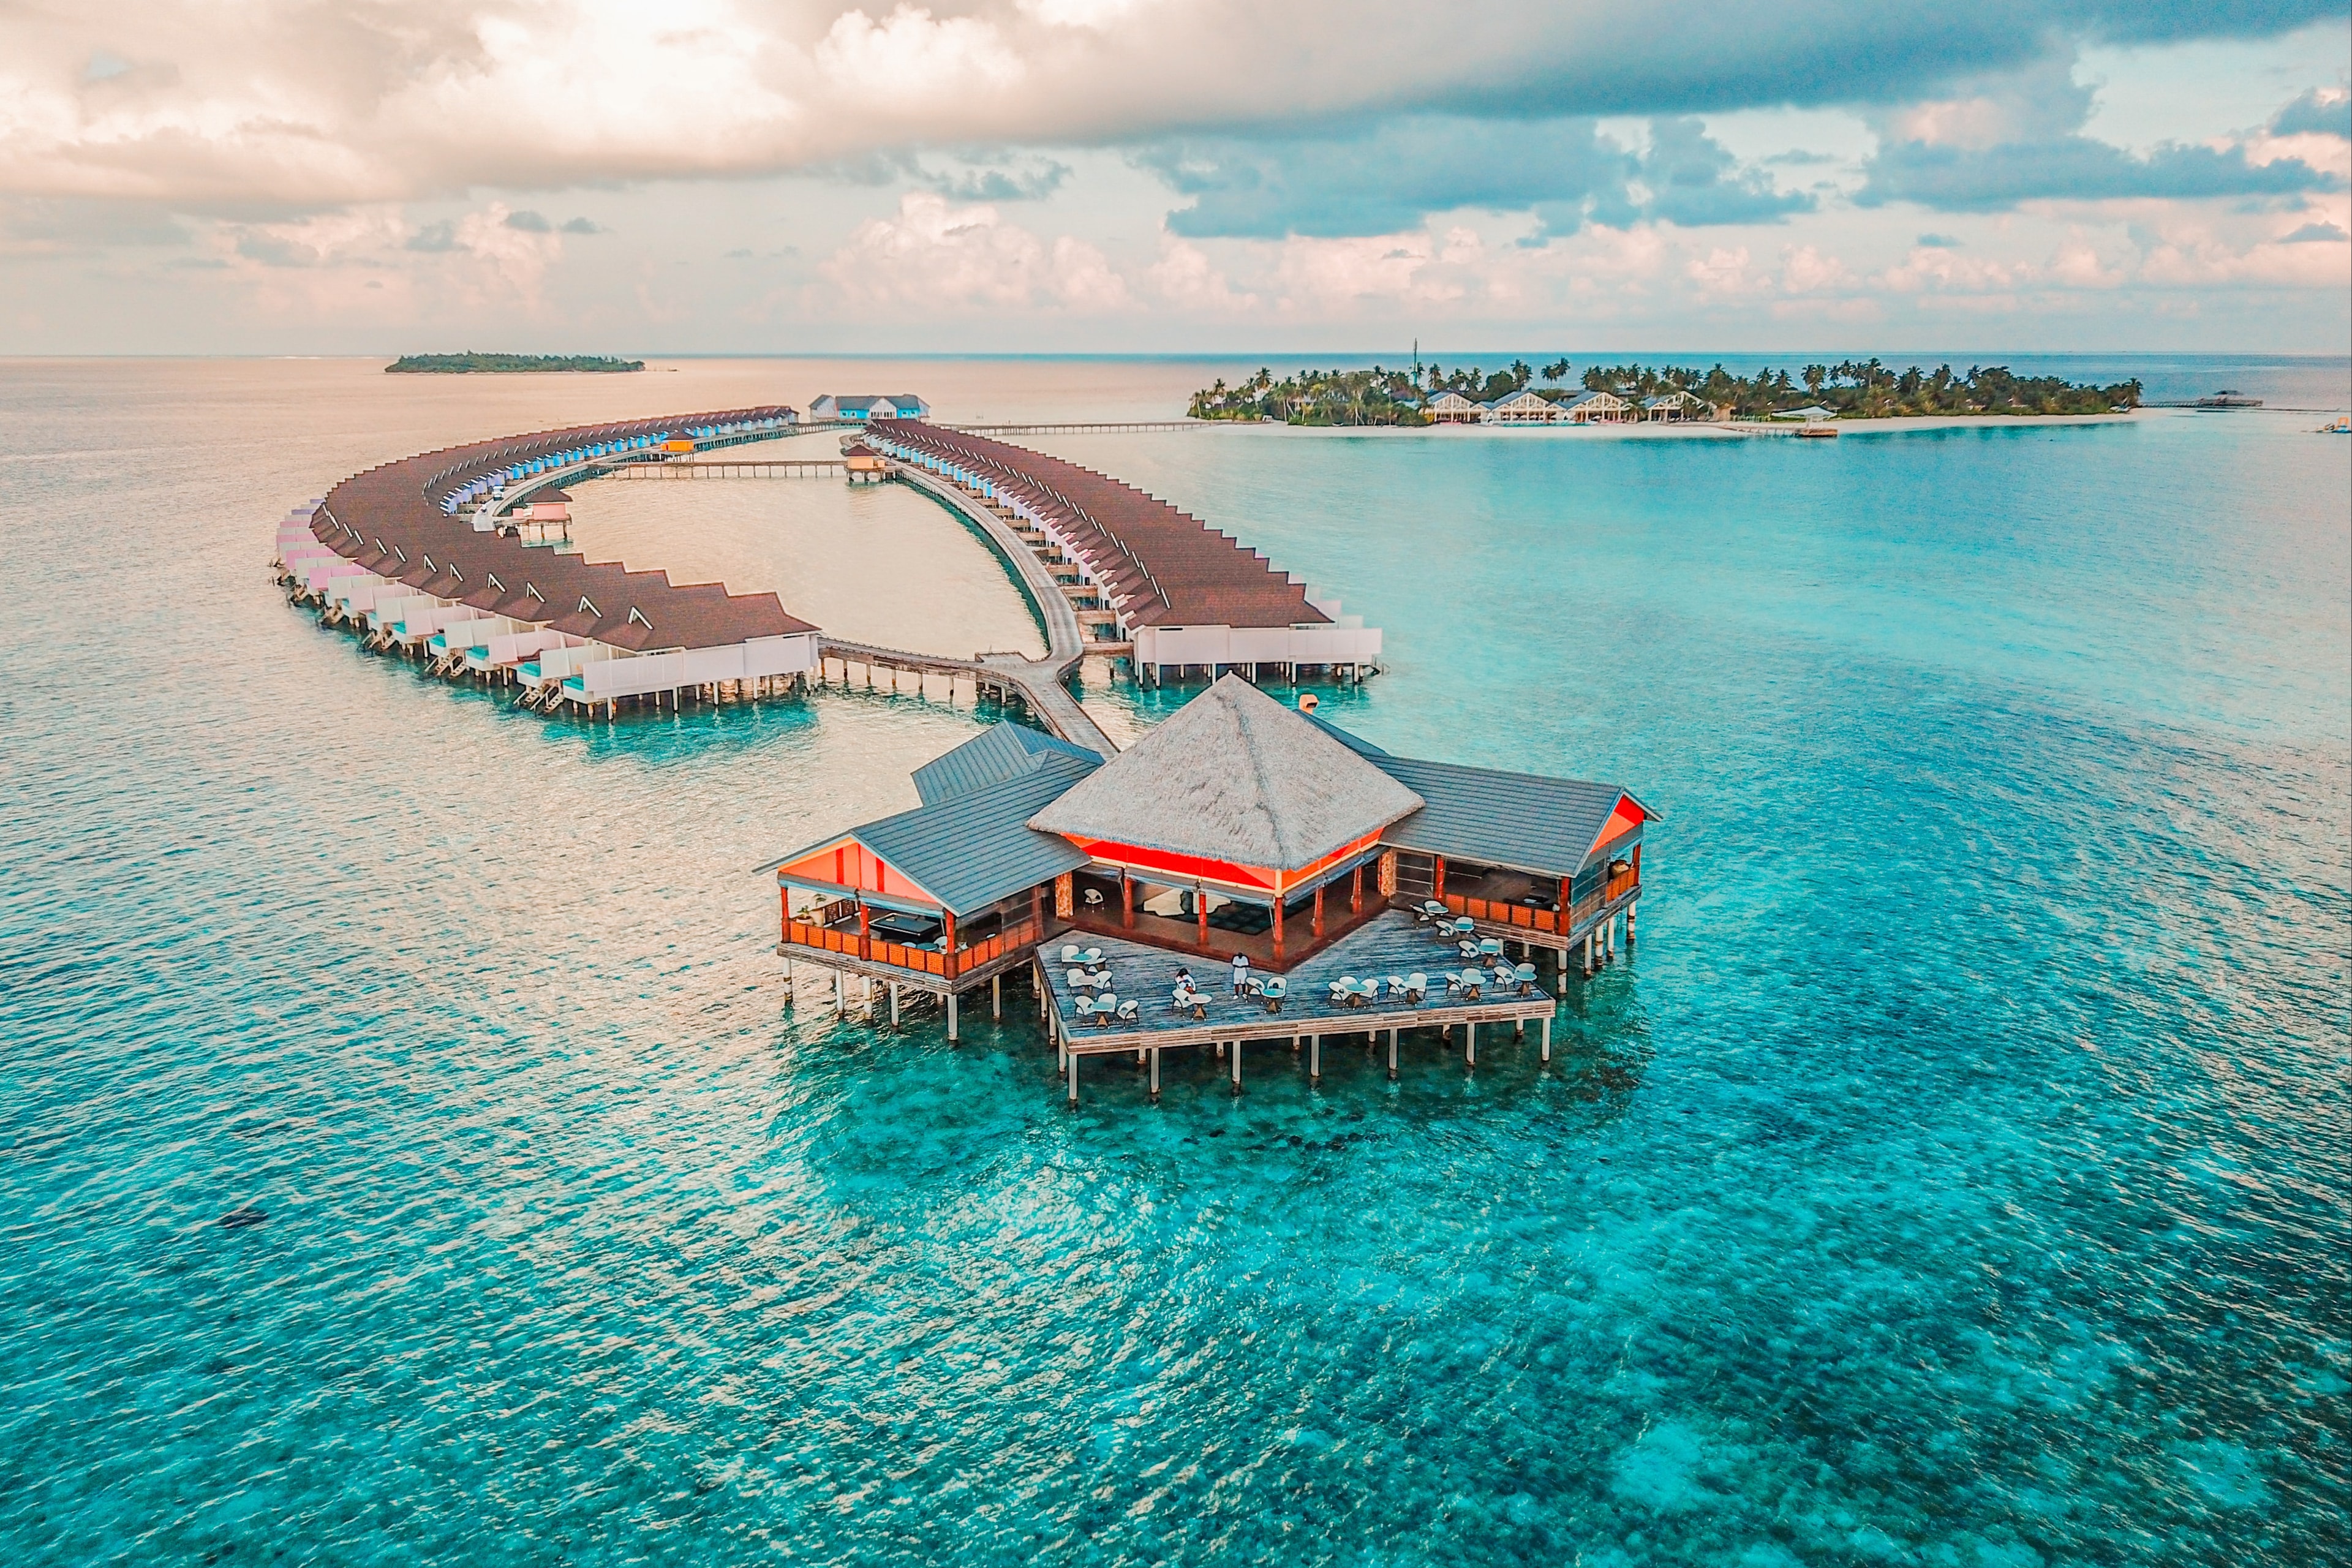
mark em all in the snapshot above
pixel 1956 1173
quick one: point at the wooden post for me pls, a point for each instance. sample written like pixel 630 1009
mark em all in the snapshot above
pixel 951 1018
pixel 1237 1066
pixel 894 1004
pixel 1547 1038
pixel 1437 877
pixel 865 930
pixel 948 955
pixel 1355 891
pixel 1314 1059
pixel 1126 900
pixel 1393 1031
pixel 1074 1079
pixel 1318 915
pixel 1631 910
pixel 1155 1072
pixel 1201 908
pixel 995 996
pixel 1470 1044
pixel 1278 924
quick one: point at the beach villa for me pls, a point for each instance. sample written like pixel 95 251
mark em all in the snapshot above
pixel 1450 407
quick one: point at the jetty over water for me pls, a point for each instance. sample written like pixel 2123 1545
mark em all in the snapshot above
pixel 1179 595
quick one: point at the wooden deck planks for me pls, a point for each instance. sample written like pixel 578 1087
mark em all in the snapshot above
pixel 1392 943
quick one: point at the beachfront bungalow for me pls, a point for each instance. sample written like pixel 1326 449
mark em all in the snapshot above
pixel 1450 407
pixel 1238 830
pixel 863 406
pixel 1677 407
pixel 1598 408
pixel 1525 406
pixel 864 464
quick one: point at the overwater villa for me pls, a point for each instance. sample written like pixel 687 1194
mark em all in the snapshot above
pixel 428 556
pixel 1243 872
pixel 859 407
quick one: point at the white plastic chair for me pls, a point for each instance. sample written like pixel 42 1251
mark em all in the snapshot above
pixel 1069 954
pixel 1129 1010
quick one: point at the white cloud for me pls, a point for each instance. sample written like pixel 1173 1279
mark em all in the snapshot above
pixel 933 258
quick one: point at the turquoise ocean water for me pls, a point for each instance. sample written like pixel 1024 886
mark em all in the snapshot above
pixel 1957 1174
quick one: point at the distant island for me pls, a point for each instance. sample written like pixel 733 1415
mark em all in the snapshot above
pixel 470 363
pixel 1864 389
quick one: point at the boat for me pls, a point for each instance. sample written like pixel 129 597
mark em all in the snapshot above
pixel 2228 399
pixel 2341 426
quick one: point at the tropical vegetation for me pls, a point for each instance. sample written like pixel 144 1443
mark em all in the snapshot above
pixel 471 363
pixel 1863 389
pixel 1867 389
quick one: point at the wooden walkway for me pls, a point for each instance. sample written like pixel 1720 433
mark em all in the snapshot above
pixel 1079 427
pixel 745 469
pixel 1390 945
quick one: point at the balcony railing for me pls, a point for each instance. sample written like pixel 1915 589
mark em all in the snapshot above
pixel 926 959
pixel 1529 916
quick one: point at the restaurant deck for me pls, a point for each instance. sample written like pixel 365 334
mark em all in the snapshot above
pixel 1392 943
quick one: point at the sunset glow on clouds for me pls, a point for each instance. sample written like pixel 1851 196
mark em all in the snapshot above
pixel 1154 174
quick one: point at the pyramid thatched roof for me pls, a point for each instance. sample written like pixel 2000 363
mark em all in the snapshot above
pixel 1234 776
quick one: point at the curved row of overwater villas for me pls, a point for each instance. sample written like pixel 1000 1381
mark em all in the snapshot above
pixel 505 635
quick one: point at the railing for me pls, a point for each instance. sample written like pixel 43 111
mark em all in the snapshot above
pixel 1494 911
pixel 926 959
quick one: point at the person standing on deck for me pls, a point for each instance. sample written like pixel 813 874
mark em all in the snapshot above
pixel 1241 972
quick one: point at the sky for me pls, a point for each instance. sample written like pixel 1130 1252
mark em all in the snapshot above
pixel 1108 177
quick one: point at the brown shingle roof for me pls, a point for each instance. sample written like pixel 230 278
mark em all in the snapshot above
pixel 398 505
pixel 1158 566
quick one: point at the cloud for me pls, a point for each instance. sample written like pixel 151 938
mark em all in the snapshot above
pixel 300 105
pixel 1391 175
pixel 933 259
pixel 2074 169
pixel 1039 180
pixel 2315 115
pixel 1694 181
pixel 1939 241
pixel 2316 233
pixel 584 225
pixel 529 223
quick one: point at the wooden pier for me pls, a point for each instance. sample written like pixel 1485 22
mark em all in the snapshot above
pixel 739 468
pixel 1079 428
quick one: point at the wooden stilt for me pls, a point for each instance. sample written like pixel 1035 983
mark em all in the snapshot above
pixel 1314 1059
pixel 1155 1072
pixel 1237 1066
pixel 996 996
pixel 1072 1070
pixel 951 1018
pixel 1392 1053
pixel 894 1004
pixel 1547 1039
pixel 1470 1046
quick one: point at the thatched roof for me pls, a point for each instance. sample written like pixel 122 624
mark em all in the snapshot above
pixel 1234 776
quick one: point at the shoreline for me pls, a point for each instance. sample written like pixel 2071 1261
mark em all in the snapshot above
pixel 1708 430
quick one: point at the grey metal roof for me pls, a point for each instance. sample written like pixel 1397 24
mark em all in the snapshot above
pixel 1347 738
pixel 974 848
pixel 1521 820
pixel 1002 751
